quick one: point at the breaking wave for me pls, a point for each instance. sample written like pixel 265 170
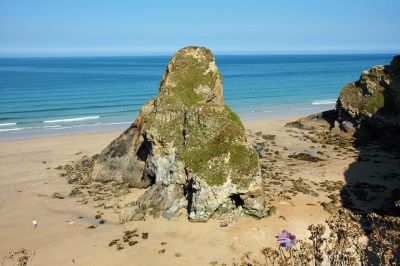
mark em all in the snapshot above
pixel 11 129
pixel 7 124
pixel 323 102
pixel 72 119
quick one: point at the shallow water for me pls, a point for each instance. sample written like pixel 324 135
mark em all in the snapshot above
pixel 50 96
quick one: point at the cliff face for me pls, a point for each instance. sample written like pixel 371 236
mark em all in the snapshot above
pixel 187 147
pixel 373 101
pixel 369 107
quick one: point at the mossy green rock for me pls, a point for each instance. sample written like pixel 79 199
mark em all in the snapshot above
pixel 372 101
pixel 367 108
pixel 187 146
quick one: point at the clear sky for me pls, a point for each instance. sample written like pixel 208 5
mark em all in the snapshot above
pixel 133 27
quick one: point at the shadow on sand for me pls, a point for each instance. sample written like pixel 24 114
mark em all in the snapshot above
pixel 373 181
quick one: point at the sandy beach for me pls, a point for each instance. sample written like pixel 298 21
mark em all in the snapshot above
pixel 28 180
pixel 217 133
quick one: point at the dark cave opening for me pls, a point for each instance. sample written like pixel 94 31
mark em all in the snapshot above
pixel 188 192
pixel 144 150
pixel 237 200
pixel 152 179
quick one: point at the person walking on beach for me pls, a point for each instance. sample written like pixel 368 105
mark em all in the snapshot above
pixel 34 223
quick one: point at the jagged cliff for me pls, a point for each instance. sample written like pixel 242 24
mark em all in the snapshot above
pixel 367 107
pixel 187 148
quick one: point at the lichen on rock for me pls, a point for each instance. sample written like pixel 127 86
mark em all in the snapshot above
pixel 187 148
pixel 372 102
pixel 368 106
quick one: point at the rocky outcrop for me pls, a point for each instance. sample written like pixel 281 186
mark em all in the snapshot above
pixel 369 106
pixel 320 121
pixel 373 101
pixel 187 148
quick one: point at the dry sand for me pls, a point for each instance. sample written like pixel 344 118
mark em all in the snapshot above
pixel 27 175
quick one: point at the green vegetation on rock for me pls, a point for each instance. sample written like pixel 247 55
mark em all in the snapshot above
pixel 234 117
pixel 207 158
pixel 191 78
pixel 375 102
pixel 349 96
pixel 208 136
pixel 189 73
pixel 185 133
pixel 244 160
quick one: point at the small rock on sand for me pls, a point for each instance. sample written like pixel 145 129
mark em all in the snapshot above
pixel 57 195
pixel 113 242
pixel 132 243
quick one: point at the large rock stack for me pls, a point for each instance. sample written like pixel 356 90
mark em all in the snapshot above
pixel 187 148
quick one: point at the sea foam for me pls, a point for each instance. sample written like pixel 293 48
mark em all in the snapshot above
pixel 323 102
pixel 7 124
pixel 72 119
pixel 11 129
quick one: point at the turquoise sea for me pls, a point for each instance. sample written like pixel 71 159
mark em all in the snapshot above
pixel 48 96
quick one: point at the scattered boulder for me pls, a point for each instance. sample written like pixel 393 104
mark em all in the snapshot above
pixel 75 192
pixel 113 242
pixel 128 235
pixel 333 206
pixel 79 172
pixel 131 215
pixel 300 186
pixel 132 243
pixel 260 150
pixel 145 235
pixel 98 197
pixel 74 178
pixel 269 137
pixel 320 121
pixel 305 157
pixel 271 211
pixel 57 195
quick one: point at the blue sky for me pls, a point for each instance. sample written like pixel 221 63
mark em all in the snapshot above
pixel 122 27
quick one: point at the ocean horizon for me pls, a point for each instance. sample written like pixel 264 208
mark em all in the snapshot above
pixel 43 96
